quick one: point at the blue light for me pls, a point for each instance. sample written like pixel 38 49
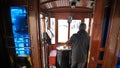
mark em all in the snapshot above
pixel 118 66
pixel 21 44
pixel 19 23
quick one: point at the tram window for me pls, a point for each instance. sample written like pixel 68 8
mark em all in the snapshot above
pixel 86 21
pixel 52 28
pixel 74 26
pixel 99 65
pixel 62 30
pixel 46 23
pixel 42 25
pixel 20 30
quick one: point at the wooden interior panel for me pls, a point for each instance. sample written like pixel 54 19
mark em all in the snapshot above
pixel 33 16
pixel 112 45
pixel 68 9
pixel 65 6
pixel 96 34
pixel 74 15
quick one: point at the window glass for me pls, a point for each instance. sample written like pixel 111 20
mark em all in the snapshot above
pixel 20 30
pixel 74 26
pixel 86 21
pixel 46 23
pixel 42 25
pixel 62 30
pixel 52 29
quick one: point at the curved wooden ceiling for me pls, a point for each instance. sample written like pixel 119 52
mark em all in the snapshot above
pixel 82 6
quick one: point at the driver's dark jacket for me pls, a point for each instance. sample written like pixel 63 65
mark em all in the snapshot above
pixel 80 47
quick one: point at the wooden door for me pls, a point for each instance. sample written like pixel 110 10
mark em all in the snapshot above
pixel 108 52
pixel 33 16
pixel 99 34
pixel 112 43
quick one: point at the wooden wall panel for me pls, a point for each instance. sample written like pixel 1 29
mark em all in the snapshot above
pixel 95 43
pixel 75 15
pixel 33 17
pixel 111 51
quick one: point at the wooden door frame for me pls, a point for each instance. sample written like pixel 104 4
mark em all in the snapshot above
pixel 112 44
pixel 95 40
pixel 33 19
pixel 112 47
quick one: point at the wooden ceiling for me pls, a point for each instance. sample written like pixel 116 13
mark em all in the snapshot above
pixel 58 6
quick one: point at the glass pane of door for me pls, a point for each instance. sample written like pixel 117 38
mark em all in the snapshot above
pixel 62 30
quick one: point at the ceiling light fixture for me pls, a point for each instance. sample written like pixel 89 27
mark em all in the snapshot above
pixel 73 3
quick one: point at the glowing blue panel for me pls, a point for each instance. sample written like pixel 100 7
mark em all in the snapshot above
pixel 20 30
pixel 21 44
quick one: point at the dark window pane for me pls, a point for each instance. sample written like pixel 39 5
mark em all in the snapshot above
pixel 101 54
pixel 99 65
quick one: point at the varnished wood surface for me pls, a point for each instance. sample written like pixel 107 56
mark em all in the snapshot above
pixel 33 17
pixel 113 42
pixel 65 6
pixel 79 16
pixel 95 43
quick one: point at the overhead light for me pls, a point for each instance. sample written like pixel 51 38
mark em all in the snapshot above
pixel 73 3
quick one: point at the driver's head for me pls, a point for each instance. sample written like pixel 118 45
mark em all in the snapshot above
pixel 82 26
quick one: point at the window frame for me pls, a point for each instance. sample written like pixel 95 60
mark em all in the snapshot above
pixel 56 28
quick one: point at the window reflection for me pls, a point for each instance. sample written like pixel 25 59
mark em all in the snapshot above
pixel 74 26
pixel 62 30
